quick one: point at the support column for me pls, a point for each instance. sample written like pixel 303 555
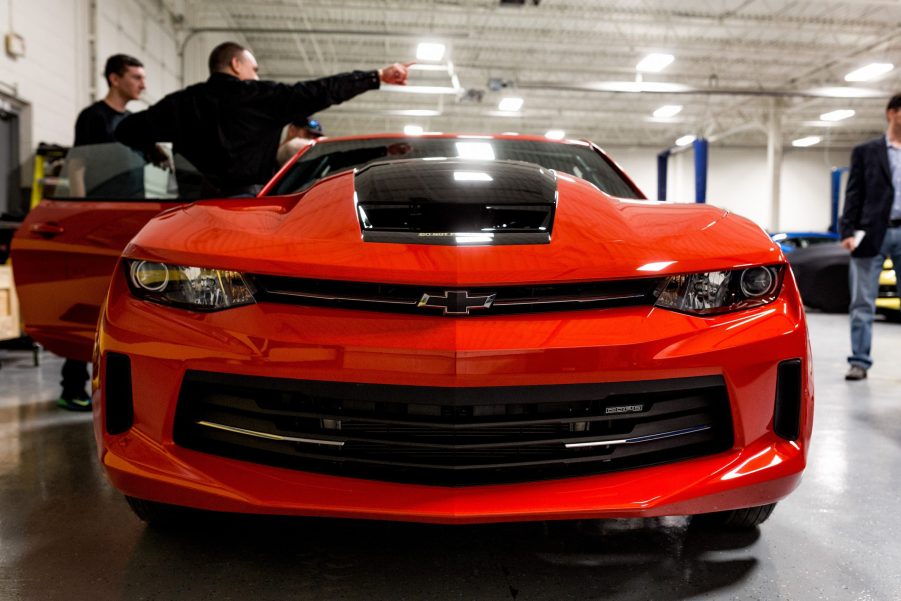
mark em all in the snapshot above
pixel 836 197
pixel 774 161
pixel 700 148
pixel 662 163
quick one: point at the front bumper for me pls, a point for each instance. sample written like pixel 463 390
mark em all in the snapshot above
pixel 631 344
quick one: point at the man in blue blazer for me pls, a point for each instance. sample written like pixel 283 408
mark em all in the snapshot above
pixel 870 228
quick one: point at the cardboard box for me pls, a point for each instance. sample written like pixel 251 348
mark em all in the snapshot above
pixel 9 305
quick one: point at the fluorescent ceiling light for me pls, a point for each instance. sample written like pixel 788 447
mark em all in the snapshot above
pixel 837 115
pixel 685 140
pixel 808 141
pixel 654 63
pixel 845 92
pixel 511 103
pixel 472 176
pixel 430 51
pixel 422 67
pixel 475 150
pixel 413 130
pixel 638 86
pixel 668 110
pixel 420 89
pixel 555 134
pixel 871 71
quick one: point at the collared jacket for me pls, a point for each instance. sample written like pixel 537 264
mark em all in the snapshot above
pixel 229 129
pixel 868 197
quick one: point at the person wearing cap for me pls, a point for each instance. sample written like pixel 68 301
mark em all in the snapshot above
pixel 870 227
pixel 229 126
pixel 298 134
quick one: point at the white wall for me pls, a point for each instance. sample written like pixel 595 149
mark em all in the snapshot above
pixel 55 77
pixel 140 29
pixel 737 180
pixel 46 77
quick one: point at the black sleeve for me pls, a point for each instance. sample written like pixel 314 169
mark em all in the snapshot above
pixel 89 129
pixel 855 194
pixel 144 129
pixel 308 97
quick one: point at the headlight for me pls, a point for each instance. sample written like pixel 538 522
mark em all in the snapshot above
pixel 713 292
pixel 197 288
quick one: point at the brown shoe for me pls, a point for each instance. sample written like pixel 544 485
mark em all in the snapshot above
pixel 856 372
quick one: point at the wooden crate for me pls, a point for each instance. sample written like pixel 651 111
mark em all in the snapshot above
pixel 9 305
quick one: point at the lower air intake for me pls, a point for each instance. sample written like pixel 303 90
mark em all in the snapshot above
pixel 452 436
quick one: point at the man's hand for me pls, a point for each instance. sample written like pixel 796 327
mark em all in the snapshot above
pixel 161 159
pixel 395 74
pixel 848 243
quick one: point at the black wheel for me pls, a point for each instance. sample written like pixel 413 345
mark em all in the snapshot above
pixel 736 519
pixel 158 515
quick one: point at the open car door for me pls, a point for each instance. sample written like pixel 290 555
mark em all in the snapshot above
pixel 66 249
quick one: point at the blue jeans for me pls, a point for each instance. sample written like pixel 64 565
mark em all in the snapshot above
pixel 863 278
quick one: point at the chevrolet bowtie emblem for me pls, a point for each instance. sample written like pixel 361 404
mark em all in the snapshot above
pixel 456 302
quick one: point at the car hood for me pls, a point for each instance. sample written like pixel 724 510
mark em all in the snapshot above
pixel 317 234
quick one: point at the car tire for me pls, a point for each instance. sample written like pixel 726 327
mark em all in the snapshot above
pixel 736 519
pixel 157 515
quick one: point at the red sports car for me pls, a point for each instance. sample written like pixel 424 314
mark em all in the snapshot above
pixel 450 329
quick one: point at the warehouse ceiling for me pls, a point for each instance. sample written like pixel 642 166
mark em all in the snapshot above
pixel 573 62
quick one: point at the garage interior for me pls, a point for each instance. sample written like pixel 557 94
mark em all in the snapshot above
pixel 760 86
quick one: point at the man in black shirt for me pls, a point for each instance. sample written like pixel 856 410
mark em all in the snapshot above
pixel 229 126
pixel 90 174
pixel 107 170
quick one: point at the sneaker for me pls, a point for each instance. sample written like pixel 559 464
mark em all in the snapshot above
pixel 856 372
pixel 77 402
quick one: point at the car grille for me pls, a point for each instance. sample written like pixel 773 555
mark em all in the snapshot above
pixel 400 298
pixel 452 436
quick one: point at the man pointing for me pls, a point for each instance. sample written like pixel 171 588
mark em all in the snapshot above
pixel 229 126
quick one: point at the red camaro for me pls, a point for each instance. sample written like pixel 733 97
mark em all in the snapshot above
pixel 440 328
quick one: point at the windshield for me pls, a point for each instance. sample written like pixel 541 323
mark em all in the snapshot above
pixel 116 172
pixel 327 158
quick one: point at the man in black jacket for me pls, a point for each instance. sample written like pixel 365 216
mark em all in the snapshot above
pixel 229 126
pixel 870 228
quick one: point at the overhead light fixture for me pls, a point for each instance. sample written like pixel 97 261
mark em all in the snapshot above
pixel 423 67
pixel 871 71
pixel 668 110
pixel 482 151
pixel 510 104
pixel 685 140
pixel 413 130
pixel 837 115
pixel 808 141
pixel 845 92
pixel 654 63
pixel 555 134
pixel 430 51
pixel 388 87
pixel 638 86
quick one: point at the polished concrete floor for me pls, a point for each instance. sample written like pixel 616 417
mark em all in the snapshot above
pixel 66 534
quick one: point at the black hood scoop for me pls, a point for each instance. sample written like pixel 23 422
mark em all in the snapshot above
pixel 456 202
